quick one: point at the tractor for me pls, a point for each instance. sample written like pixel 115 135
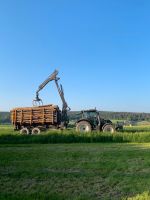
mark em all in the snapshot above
pixel 90 120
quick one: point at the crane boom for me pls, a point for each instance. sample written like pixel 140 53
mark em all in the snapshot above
pixel 61 93
pixel 65 107
pixel 52 77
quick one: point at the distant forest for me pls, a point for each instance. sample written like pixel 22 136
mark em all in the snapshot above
pixel 124 116
pixel 73 115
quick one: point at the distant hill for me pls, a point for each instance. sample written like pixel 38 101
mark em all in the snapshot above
pixel 73 115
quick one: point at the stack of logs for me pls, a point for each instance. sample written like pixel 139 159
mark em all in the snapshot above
pixel 47 114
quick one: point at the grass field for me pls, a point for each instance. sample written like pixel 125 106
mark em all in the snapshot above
pixel 76 171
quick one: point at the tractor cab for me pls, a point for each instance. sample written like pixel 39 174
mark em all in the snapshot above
pixel 89 113
pixel 92 116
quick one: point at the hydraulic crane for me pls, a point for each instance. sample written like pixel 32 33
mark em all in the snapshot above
pixel 65 107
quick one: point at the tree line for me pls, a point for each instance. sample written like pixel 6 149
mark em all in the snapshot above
pixel 74 115
pixel 124 116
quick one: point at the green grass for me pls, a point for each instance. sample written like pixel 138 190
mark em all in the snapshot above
pixel 135 129
pixel 94 166
pixel 130 134
pixel 75 171
pixel 6 126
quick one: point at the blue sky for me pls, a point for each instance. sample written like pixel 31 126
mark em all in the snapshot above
pixel 100 47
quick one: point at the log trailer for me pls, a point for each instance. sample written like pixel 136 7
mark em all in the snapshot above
pixel 32 120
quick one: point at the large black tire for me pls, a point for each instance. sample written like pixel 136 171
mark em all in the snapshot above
pixel 24 131
pixel 108 128
pixel 36 131
pixel 83 126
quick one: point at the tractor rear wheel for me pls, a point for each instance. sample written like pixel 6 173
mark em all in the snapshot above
pixel 24 131
pixel 83 126
pixel 108 128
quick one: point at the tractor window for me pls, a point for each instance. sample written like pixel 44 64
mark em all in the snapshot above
pixel 90 114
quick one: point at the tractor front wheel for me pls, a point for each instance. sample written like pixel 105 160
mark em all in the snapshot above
pixel 83 126
pixel 108 128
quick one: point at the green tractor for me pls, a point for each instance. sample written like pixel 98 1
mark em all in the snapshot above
pixel 90 120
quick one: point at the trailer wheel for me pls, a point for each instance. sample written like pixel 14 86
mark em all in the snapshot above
pixel 83 126
pixel 108 128
pixel 36 131
pixel 24 131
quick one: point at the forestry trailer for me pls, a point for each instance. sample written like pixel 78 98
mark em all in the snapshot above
pixel 41 117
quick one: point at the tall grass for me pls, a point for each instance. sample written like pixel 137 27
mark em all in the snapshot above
pixel 130 134
pixel 135 129
pixel 73 137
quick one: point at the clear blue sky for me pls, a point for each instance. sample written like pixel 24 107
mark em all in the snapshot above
pixel 100 47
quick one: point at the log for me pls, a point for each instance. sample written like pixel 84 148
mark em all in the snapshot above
pixel 36 115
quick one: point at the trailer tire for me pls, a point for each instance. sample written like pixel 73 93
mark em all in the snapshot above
pixel 108 128
pixel 36 131
pixel 24 131
pixel 83 126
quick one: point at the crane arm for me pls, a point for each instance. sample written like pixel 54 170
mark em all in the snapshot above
pixel 65 107
pixel 52 77
pixel 61 93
